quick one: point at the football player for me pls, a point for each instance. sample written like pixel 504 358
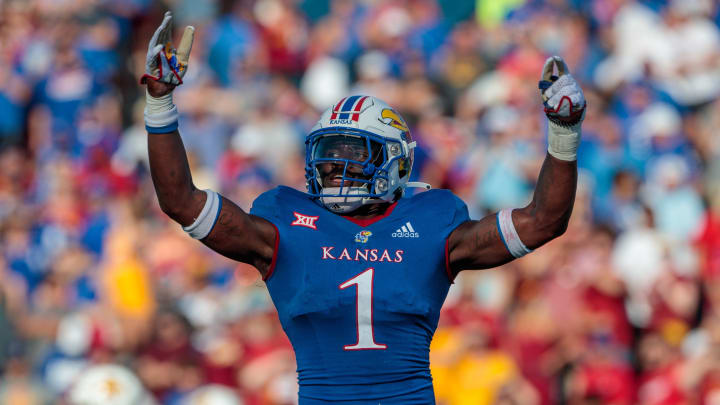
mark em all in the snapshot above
pixel 358 273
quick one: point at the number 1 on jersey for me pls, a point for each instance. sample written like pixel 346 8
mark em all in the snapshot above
pixel 366 338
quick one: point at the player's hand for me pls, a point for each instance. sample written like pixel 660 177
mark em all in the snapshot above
pixel 562 96
pixel 165 66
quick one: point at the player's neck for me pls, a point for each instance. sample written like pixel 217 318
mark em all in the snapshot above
pixel 369 211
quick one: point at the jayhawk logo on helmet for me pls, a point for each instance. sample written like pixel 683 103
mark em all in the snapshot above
pixel 390 117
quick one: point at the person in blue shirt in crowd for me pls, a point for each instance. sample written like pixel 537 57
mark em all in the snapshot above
pixel 358 272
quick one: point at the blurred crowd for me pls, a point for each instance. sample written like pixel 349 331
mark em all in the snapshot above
pixel 623 309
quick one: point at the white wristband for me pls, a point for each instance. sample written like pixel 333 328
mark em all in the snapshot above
pixel 205 221
pixel 563 141
pixel 161 115
pixel 509 235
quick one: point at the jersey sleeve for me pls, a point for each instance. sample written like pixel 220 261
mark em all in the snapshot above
pixel 460 212
pixel 454 212
pixel 266 206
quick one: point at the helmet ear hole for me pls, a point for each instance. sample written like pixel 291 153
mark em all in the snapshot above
pixel 403 167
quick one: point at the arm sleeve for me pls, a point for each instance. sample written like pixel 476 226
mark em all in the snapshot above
pixel 460 212
pixel 266 206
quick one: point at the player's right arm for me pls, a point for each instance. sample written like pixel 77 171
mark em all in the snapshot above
pixel 509 234
pixel 229 231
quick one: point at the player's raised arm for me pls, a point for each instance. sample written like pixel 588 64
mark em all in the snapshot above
pixel 204 214
pixel 509 234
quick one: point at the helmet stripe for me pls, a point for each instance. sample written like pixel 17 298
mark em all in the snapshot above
pixel 347 106
pixel 337 108
pixel 357 108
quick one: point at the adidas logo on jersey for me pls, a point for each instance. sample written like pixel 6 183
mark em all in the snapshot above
pixel 406 231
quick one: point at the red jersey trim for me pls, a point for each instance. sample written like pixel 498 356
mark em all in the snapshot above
pixel 275 253
pixel 369 221
pixel 448 271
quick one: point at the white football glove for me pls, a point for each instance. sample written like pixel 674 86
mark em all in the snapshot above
pixel 168 65
pixel 565 108
pixel 163 62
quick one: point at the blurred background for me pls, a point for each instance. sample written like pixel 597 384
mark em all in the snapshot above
pixel 101 295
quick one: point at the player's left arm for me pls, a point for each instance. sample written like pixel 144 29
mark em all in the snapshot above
pixel 502 237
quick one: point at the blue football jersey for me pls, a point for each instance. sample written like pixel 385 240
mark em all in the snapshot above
pixel 360 304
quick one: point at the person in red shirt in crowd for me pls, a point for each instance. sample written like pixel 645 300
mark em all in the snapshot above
pixel 708 240
pixel 661 379
pixel 602 375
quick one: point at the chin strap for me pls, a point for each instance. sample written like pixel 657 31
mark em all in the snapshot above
pixel 418 184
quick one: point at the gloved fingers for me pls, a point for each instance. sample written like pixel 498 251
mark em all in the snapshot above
pixel 549 78
pixel 561 66
pixel 164 63
pixel 152 56
pixel 161 33
pixel 548 68
pixel 166 34
pixel 186 43
pixel 563 98
pixel 559 84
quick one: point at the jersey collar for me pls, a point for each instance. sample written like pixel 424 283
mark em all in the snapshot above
pixel 364 222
